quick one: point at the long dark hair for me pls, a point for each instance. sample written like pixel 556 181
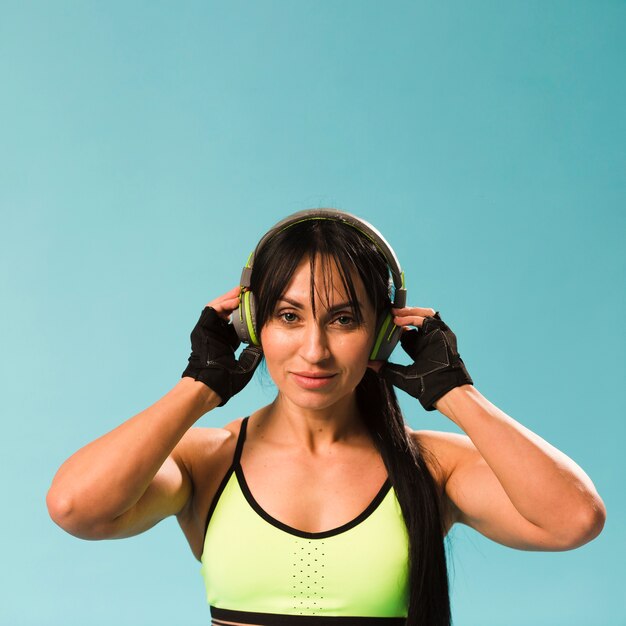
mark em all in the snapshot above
pixel 332 242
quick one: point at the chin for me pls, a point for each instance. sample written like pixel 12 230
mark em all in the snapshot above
pixel 316 400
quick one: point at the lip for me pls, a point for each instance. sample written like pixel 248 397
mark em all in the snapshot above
pixel 314 374
pixel 312 380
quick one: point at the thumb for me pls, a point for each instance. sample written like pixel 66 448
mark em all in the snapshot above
pixel 249 359
pixel 231 335
pixel 394 373
pixel 410 341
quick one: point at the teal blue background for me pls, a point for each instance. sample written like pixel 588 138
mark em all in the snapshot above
pixel 146 146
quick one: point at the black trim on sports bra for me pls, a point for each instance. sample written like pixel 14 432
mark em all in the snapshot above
pixel 373 505
pixel 236 458
pixel 236 467
pixel 274 619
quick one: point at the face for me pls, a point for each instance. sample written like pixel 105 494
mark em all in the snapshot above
pixel 318 361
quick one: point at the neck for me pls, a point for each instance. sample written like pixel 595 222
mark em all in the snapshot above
pixel 314 431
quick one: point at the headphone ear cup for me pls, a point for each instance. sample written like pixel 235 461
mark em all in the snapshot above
pixel 387 337
pixel 244 319
pixel 239 324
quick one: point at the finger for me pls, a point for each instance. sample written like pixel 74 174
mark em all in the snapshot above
pixel 414 311
pixel 410 320
pixel 226 303
pixel 224 309
pixel 231 293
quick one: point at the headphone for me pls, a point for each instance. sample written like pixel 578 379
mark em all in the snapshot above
pixel 387 333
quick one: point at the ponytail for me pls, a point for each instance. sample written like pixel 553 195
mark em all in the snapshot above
pixel 419 498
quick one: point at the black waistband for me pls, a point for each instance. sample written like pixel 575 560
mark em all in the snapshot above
pixel 274 619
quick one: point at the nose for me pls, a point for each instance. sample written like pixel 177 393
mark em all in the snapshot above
pixel 314 347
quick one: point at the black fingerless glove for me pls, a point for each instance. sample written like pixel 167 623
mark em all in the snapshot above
pixel 437 366
pixel 212 360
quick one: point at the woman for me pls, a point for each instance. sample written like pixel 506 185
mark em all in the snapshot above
pixel 325 504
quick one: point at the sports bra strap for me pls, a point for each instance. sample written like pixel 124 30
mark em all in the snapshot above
pixel 240 440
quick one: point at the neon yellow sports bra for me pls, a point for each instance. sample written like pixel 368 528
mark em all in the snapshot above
pixel 258 570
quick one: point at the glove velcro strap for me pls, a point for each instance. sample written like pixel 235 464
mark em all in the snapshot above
pixel 439 383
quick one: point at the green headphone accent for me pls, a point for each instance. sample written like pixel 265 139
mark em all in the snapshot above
pixel 387 333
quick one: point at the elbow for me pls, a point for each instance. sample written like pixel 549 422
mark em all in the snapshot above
pixel 64 513
pixel 596 518
pixel 590 525
pixel 60 508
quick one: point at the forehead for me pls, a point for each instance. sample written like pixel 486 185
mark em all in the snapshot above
pixel 325 284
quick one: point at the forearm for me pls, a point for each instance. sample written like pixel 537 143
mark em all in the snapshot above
pixel 109 475
pixel 544 485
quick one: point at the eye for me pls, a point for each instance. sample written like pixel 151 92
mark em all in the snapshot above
pixel 288 316
pixel 345 320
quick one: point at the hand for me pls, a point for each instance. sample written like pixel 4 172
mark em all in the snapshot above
pixel 437 365
pixel 213 345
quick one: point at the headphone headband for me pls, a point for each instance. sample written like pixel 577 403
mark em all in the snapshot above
pixel 359 224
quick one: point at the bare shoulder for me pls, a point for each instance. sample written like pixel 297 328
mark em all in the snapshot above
pixel 202 445
pixel 442 452
pixel 205 453
pixel 447 448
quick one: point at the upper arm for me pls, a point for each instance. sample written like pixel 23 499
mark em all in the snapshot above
pixel 476 498
pixel 168 493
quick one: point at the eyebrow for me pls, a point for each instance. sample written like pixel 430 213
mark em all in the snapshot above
pixel 336 307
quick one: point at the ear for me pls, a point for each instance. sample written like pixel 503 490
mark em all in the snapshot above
pixel 375 365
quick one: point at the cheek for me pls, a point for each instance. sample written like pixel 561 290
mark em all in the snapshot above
pixel 276 344
pixel 355 350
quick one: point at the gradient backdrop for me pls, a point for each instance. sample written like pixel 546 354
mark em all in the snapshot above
pixel 146 146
